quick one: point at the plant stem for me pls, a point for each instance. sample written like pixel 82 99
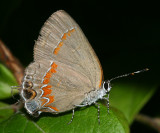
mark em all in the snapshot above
pixel 152 122
pixel 11 62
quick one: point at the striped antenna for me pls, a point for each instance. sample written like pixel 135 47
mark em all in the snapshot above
pixel 108 82
pixel 128 74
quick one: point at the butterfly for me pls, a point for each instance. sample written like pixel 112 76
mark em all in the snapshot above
pixel 65 73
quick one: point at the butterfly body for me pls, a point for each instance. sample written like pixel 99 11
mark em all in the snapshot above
pixel 93 96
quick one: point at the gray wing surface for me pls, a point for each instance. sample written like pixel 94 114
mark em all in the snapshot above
pixel 62 40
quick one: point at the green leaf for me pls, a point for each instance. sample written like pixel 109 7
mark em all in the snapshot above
pixel 5 111
pixel 130 94
pixel 85 121
pixel 130 98
pixel 6 81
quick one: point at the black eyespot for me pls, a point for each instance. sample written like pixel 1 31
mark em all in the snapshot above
pixel 28 84
pixel 29 93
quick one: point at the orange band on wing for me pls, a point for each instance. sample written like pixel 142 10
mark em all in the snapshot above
pixel 46 90
pixel 54 65
pixel 69 34
pixel 46 81
pixel 52 70
pixel 48 75
pixel 46 97
pixel 64 37
pixel 56 50
pixel 43 101
pixel 72 30
pixel 46 94
pixel 51 99
pixel 54 108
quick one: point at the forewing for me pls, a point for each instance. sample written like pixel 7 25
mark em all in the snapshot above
pixel 62 40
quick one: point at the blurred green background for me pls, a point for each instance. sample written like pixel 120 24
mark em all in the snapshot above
pixel 125 36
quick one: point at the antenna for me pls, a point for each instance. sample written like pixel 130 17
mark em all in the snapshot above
pixel 128 74
pixel 121 76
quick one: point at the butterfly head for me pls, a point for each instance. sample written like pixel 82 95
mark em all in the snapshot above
pixel 107 86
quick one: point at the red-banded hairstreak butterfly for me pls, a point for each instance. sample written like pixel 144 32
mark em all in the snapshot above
pixel 66 73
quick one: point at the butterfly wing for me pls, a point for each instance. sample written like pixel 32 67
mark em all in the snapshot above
pixel 65 66
pixel 58 86
pixel 61 39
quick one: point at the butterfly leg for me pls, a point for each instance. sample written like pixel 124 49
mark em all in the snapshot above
pixel 98 112
pixel 73 111
pixel 72 117
pixel 107 99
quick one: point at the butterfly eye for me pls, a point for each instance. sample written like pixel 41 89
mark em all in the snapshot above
pixel 29 93
pixel 28 84
pixel 107 86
